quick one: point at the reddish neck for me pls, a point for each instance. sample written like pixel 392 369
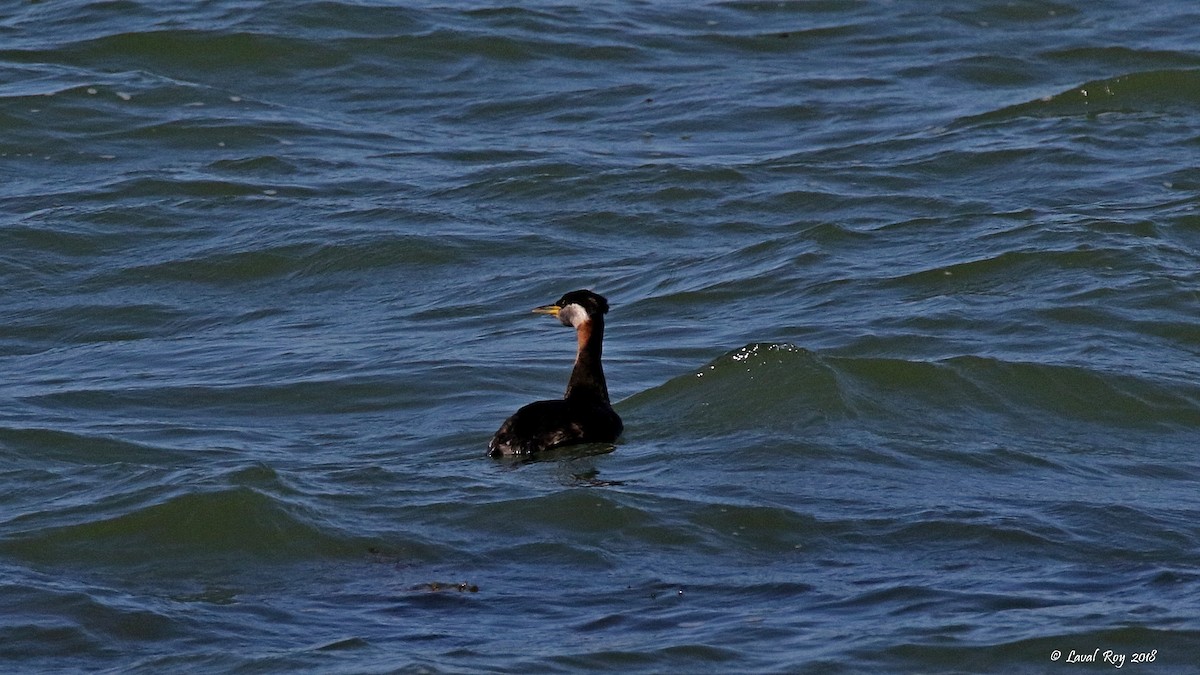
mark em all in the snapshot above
pixel 587 378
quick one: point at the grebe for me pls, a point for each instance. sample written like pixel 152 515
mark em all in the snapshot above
pixel 583 415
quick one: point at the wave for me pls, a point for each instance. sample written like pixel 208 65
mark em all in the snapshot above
pixel 234 520
pixel 306 394
pixel 781 387
pixel 1172 91
pixel 41 444
pixel 256 45
pixel 235 262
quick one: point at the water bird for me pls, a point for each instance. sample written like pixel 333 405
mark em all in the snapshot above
pixel 583 414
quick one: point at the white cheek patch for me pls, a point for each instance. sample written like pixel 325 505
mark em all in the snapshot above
pixel 572 315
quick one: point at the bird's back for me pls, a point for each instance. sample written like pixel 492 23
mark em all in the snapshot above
pixel 543 425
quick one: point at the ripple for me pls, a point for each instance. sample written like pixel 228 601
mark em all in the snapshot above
pixel 233 520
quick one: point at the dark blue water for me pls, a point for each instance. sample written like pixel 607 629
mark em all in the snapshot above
pixel 904 334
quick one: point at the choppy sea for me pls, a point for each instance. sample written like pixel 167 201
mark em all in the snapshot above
pixel 905 331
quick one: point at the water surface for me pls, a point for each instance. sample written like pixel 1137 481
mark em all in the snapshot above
pixel 904 335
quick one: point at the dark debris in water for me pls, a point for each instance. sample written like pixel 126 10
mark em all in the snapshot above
pixel 588 478
pixel 661 590
pixel 438 586
pixel 596 482
pixel 382 557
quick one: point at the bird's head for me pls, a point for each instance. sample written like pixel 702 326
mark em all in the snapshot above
pixel 576 307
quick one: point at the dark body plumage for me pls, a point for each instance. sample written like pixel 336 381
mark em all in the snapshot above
pixel 584 414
